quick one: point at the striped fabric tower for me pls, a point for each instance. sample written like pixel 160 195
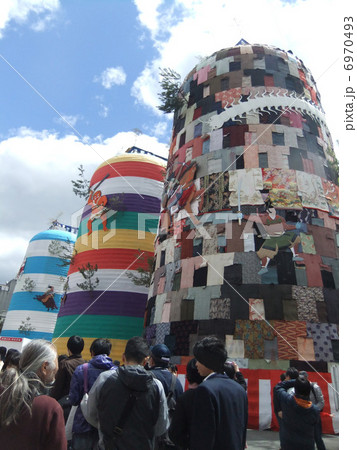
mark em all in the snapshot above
pixel 37 295
pixel 116 237
pixel 248 238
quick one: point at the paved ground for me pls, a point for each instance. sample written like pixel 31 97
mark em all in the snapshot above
pixel 264 440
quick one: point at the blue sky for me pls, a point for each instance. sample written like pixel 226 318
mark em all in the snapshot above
pixel 83 64
pixel 97 64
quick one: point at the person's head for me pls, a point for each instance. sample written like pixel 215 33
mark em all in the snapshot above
pixel 8 354
pixel 40 357
pixel 75 345
pixel 282 376
pixel 302 387
pixel 292 373
pixel 12 359
pixel 211 355
pixel 136 351
pixel 229 369
pixel 160 356
pixel 304 374
pixel 269 208
pixel 100 346
pixel 3 351
pixel 192 375
pixel 173 368
pixel 38 363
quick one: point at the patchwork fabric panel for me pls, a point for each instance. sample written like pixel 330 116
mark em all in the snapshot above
pixel 306 299
pixel 290 309
pixel 249 188
pixel 220 308
pixel 182 331
pixel 253 333
pixel 307 243
pixel 234 347
pixel 305 347
pixel 320 333
pixel 162 330
pixel 287 334
pixel 271 349
pixel 256 309
pixel 150 334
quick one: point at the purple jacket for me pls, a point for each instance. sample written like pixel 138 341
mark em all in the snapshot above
pixel 96 366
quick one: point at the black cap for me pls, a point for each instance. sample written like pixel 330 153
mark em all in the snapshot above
pixel 161 352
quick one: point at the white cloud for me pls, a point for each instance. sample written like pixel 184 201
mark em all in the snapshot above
pixel 200 30
pixel 68 120
pixel 12 254
pixel 104 111
pixel 19 11
pixel 112 76
pixel 37 169
pixel 43 23
pixel 160 129
pixel 148 14
pixel 146 87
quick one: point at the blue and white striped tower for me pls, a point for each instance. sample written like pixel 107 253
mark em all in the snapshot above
pixel 37 295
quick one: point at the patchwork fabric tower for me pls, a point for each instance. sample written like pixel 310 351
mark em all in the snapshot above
pixel 41 280
pixel 247 247
pixel 115 241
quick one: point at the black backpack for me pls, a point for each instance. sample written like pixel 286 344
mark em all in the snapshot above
pixel 164 442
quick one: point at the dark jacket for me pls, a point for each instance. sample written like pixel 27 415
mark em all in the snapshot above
pixel 165 376
pixel 219 415
pixel 147 417
pixel 64 376
pixel 179 431
pixel 96 366
pixel 297 424
pixel 239 378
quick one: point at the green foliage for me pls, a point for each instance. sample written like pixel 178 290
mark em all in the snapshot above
pixel 26 327
pixel 171 95
pixel 64 251
pixel 87 273
pixel 81 185
pixel 144 277
pixel 29 285
pixel 333 166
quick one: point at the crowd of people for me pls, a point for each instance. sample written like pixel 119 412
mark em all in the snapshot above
pixel 51 402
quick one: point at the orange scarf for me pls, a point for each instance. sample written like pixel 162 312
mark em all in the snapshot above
pixel 303 403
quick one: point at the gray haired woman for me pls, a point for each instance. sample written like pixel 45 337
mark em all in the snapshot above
pixel 28 418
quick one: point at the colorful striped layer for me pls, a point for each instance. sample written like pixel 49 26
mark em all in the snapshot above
pixel 104 302
pixel 130 239
pixel 127 220
pixel 112 327
pixel 130 202
pixel 128 169
pixel 117 240
pixel 117 258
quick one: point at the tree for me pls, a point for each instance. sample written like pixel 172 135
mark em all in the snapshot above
pixel 81 185
pixel 171 96
pixel 26 327
pixel 29 285
pixel 333 165
pixel 87 273
pixel 64 251
pixel 144 277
